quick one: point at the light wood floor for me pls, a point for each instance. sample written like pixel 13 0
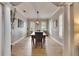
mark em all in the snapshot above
pixel 24 48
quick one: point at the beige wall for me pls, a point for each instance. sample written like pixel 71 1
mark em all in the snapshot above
pixel 76 17
pixel 76 27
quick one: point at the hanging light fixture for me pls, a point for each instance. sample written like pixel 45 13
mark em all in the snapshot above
pixel 37 21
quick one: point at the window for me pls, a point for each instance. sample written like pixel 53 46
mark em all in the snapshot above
pixel 61 26
pixel 32 26
pixel 43 26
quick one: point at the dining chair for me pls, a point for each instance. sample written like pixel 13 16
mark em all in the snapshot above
pixel 38 38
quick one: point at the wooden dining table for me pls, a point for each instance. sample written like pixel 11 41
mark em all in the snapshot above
pixel 33 37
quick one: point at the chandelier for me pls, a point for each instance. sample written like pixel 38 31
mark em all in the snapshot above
pixel 37 20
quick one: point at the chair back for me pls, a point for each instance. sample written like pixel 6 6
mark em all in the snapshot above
pixel 38 35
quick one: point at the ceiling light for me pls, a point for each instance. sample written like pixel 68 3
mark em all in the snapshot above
pixel 37 20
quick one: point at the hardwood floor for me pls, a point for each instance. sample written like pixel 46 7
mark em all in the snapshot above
pixel 24 48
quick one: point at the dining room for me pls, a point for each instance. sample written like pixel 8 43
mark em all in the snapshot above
pixel 39 28
pixel 34 32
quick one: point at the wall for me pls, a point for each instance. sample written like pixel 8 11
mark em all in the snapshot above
pixel 54 30
pixel 76 27
pixel 19 32
pixel 76 17
pixel 76 23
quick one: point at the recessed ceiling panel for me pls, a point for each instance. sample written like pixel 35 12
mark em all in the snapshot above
pixel 45 9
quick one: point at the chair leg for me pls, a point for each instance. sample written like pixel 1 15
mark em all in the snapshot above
pixel 33 41
pixel 44 40
pixel 41 45
pixel 36 44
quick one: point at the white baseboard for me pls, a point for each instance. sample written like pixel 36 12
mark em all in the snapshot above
pixel 56 41
pixel 18 40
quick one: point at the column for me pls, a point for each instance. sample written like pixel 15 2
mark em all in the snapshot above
pixel 7 31
pixel 68 30
pixel 0 29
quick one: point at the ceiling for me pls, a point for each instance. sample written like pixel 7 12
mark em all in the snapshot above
pixel 45 9
pixel 58 3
